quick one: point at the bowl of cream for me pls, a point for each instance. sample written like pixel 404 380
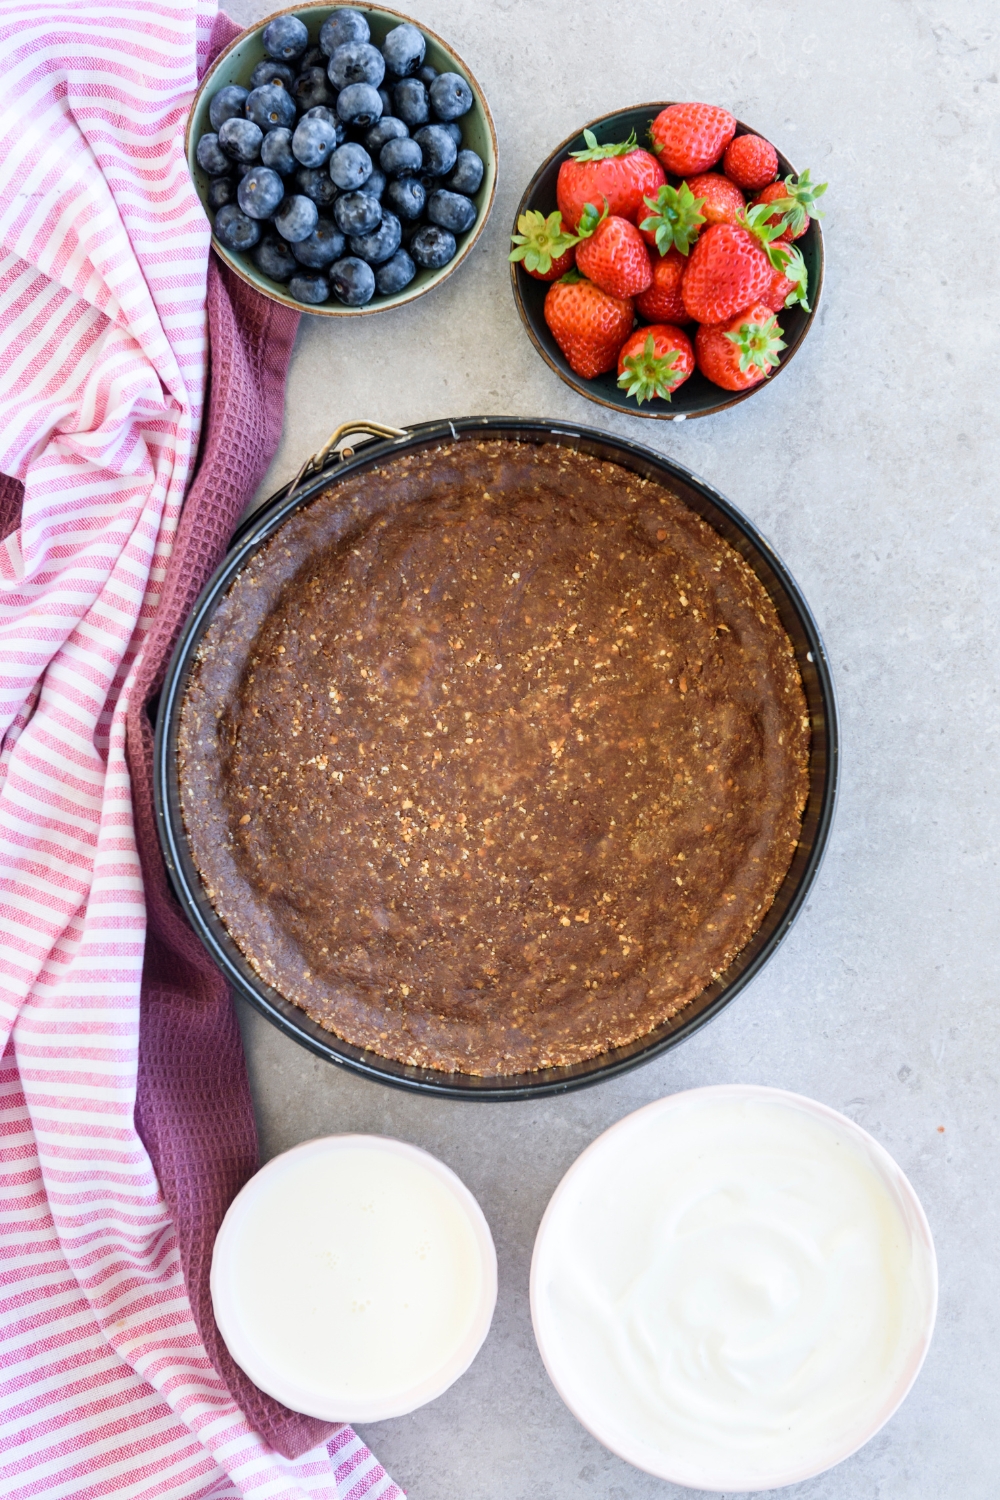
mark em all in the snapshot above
pixel 354 1278
pixel 734 1288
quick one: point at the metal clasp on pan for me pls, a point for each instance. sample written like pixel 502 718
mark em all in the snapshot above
pixel 322 458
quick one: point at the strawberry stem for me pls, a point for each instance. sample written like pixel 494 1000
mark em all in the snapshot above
pixel 540 240
pixel 594 152
pixel 758 344
pixel 649 374
pixel 675 218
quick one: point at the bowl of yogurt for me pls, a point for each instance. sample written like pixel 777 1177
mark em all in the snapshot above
pixel 734 1288
pixel 354 1278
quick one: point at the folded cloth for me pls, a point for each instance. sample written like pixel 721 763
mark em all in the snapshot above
pixel 113 1379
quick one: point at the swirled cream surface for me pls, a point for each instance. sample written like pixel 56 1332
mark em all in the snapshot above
pixel 734 1288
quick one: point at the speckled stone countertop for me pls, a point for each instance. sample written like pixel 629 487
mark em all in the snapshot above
pixel 871 465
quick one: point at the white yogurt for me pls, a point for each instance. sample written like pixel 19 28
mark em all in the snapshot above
pixel 354 1278
pixel 734 1288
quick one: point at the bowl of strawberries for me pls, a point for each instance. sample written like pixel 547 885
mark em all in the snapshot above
pixel 667 260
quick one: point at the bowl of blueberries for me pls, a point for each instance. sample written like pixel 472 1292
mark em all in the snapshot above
pixel 346 158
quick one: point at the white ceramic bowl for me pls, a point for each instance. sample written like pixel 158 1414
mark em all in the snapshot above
pixel 590 1261
pixel 311 1264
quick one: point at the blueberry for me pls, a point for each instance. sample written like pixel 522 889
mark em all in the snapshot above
pixel 451 211
pixel 210 156
pixel 260 192
pixel 274 257
pixel 227 104
pixel 375 185
pixel 284 38
pixel 356 62
pixel 270 106
pixel 406 198
pixel 454 130
pixel 403 50
pixel 234 230
pixel 387 129
pixel 409 102
pixel 329 114
pixel 315 57
pixel 401 158
pixel 451 96
pixel 350 166
pixel 381 243
pixel 468 174
pixel 272 72
pixel 357 213
pixel 432 247
pixel 359 104
pixel 386 99
pixel 309 289
pixel 440 151
pixel 297 218
pixel 311 88
pixel 395 274
pixel 221 190
pixel 316 184
pixel 241 139
pixel 353 281
pixel 313 141
pixel 276 151
pixel 324 245
pixel 427 74
pixel 345 25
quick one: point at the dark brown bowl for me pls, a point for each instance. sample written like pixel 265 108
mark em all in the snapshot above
pixel 697 397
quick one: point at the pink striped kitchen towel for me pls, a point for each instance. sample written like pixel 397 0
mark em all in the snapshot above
pixel 112 1378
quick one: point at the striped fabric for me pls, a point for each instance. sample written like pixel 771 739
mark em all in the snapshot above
pixel 105 1388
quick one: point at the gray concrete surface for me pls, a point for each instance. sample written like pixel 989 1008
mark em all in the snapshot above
pixel 872 466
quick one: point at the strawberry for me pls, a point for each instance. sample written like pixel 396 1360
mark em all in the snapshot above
pixel 673 219
pixel 589 325
pixel 542 245
pixel 622 174
pixel 612 254
pixel 654 362
pixel 727 270
pixel 663 303
pixel 691 137
pixel 721 200
pixel 794 200
pixel 741 352
pixel 789 284
pixel 750 162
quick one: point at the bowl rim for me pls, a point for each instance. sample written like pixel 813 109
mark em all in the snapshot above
pixel 895 1179
pixel 283 1387
pixel 290 1019
pixel 576 383
pixel 398 299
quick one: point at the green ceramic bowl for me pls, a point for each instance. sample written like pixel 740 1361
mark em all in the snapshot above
pixel 235 66
pixel 697 397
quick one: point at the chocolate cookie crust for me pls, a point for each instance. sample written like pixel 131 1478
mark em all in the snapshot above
pixel 494 757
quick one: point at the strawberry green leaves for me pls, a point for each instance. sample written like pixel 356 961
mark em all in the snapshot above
pixel 799 206
pixel 540 240
pixel 648 374
pixel 758 344
pixel 594 152
pixel 675 219
pixel 755 220
pixel 590 218
pixel 795 271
